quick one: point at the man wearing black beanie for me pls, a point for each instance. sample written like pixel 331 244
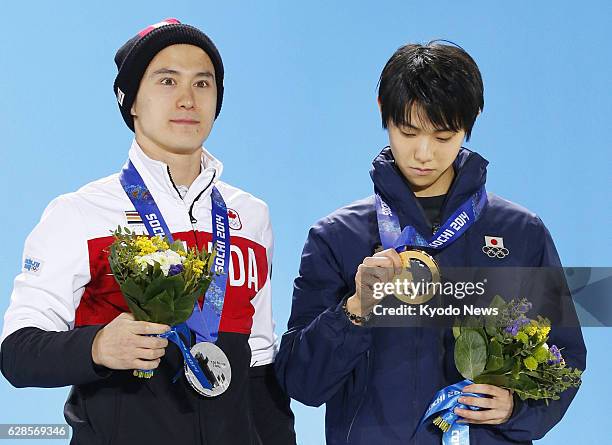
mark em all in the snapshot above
pixel 68 323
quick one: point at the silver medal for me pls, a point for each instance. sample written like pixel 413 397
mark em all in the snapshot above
pixel 215 366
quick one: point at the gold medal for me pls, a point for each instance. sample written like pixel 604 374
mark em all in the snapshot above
pixel 423 260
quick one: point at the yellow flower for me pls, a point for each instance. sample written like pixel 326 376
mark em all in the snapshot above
pixel 159 243
pixel 145 245
pixel 196 265
pixel 543 333
pixel 530 363
pixel 530 329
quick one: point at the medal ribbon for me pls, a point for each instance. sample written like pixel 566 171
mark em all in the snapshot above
pixel 392 236
pixel 203 322
pixel 444 402
pixel 173 336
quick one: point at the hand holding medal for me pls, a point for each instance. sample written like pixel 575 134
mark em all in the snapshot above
pixel 379 268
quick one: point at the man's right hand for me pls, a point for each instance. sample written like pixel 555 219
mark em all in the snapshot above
pixel 124 344
pixel 381 267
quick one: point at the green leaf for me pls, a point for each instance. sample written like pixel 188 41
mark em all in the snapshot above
pixel 505 368
pixel 490 329
pixel 494 363
pixel 516 367
pixel 157 285
pixel 137 311
pixel 470 322
pixel 497 302
pixel 183 307
pixel 470 354
pixel 161 308
pixel 493 379
pixel 524 383
pixel 495 348
pixel 456 331
pixel 132 290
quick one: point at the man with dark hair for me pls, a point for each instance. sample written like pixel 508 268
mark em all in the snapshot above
pixel 378 382
pixel 68 323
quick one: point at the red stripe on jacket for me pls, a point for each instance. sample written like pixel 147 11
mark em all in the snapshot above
pixel 102 300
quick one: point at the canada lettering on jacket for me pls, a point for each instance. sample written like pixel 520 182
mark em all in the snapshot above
pixel 241 271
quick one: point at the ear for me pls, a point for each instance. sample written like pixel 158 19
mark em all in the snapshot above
pixel 379 104
pixel 132 110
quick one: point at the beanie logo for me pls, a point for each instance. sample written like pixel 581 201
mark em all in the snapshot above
pixel 148 29
pixel 120 96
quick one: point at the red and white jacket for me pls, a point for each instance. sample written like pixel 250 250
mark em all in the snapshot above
pixel 66 280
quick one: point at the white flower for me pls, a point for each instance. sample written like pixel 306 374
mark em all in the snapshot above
pixel 165 259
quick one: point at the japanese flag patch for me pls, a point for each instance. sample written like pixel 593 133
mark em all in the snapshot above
pixel 494 247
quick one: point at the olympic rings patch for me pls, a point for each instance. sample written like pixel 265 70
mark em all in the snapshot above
pixel 495 252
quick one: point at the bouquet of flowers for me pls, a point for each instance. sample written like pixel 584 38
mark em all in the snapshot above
pixel 512 351
pixel 507 350
pixel 160 281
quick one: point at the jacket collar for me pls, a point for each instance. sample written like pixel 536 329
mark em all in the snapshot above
pixel 470 175
pixel 156 175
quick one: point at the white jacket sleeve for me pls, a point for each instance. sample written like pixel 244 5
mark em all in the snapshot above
pixel 262 339
pixel 55 270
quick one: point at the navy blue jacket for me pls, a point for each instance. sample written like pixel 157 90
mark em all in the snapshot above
pixel 377 382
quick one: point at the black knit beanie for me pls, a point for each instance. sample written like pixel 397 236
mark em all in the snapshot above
pixel 134 56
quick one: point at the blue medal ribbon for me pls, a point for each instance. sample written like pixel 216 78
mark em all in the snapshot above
pixel 143 202
pixel 444 403
pixel 392 236
pixel 203 322
pixel 173 336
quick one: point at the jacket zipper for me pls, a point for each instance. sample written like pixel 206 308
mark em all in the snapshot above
pixel 365 391
pixel 195 238
pixel 190 212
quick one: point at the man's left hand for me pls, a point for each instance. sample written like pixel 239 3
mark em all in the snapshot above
pixel 497 408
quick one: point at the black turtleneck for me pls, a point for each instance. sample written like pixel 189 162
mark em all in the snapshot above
pixel 432 205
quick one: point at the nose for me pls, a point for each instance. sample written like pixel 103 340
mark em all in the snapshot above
pixel 424 152
pixel 186 99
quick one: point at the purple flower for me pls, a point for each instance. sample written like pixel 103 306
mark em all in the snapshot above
pixel 516 325
pixel 175 269
pixel 524 307
pixel 556 353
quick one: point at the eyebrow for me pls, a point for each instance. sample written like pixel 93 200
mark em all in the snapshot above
pixel 441 130
pixel 175 72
